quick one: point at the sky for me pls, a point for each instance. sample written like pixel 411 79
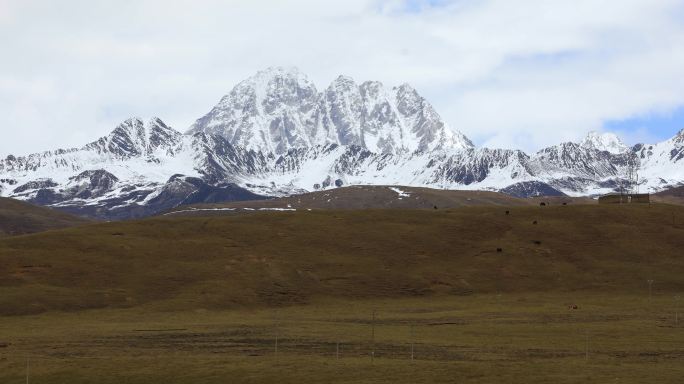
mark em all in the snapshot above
pixel 509 74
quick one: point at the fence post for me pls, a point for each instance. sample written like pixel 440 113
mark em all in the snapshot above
pixel 586 348
pixel 275 322
pixel 412 341
pixel 676 298
pixel 373 337
pixel 650 290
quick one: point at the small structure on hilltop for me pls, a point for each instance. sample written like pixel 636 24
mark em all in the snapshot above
pixel 625 198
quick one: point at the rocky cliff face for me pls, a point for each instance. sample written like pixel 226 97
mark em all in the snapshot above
pixel 280 109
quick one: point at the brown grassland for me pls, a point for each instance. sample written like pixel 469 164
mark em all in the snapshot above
pixel 204 299
pixel 385 197
pixel 669 196
pixel 18 218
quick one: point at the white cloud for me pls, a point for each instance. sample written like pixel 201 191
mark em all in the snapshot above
pixel 507 73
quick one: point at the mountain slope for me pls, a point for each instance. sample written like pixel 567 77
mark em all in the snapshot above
pixel 375 197
pixel 281 258
pixel 669 196
pixel 662 164
pixel 19 218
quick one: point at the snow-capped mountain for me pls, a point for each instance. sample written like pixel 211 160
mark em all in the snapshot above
pixel 274 134
pixel 662 164
pixel 280 109
pixel 608 142
pixel 136 170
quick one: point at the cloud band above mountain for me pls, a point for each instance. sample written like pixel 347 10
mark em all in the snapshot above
pixel 523 74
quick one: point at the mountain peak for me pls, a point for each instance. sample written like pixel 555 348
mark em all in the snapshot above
pixel 131 121
pixel 276 85
pixel 269 74
pixel 278 71
pixel 606 141
pixel 133 138
pixel 279 109
pixel 343 79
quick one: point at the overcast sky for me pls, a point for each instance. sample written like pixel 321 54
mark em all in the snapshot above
pixel 507 73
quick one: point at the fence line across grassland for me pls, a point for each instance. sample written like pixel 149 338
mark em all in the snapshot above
pixel 408 350
pixel 339 348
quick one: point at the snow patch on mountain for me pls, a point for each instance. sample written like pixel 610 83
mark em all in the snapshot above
pixel 400 192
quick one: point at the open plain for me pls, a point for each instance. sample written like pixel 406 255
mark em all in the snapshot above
pixel 574 293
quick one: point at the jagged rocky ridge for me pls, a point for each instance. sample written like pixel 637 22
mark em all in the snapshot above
pixel 280 109
pixel 274 134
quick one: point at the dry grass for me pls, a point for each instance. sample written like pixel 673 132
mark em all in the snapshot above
pixel 18 218
pixel 670 196
pixel 201 299
pixel 294 257
pixel 387 197
pixel 512 338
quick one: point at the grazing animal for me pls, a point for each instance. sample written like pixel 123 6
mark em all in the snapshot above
pixel 508 212
pixel 499 250
pixel 542 204
pixel 565 203
pixel 435 207
pixel 534 222
pixel 537 242
pixel 573 306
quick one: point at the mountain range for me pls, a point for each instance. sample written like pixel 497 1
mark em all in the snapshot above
pixel 276 134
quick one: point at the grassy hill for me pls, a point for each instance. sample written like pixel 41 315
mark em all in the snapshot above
pixel 350 296
pixel 277 258
pixel 669 196
pixel 18 218
pixel 384 197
